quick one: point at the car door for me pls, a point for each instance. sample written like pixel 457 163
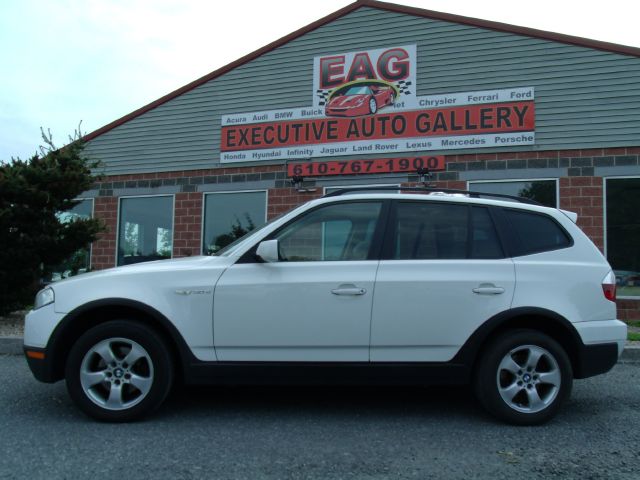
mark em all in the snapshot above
pixel 442 274
pixel 314 304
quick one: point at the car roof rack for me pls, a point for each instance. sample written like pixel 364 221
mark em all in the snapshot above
pixel 469 193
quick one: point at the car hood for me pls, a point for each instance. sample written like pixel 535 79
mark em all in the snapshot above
pixel 157 266
pixel 348 101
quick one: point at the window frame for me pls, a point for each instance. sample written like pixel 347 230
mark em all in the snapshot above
pixel 513 180
pixel 93 212
pixel 173 220
pixel 204 208
pixel 604 220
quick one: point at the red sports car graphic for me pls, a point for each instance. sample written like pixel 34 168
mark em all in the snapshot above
pixel 358 98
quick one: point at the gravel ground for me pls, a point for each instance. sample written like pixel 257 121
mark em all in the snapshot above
pixel 13 324
pixel 319 433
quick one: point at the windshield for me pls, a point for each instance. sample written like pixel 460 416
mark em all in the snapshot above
pixel 358 91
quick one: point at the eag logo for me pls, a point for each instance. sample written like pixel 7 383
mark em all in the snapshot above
pixel 363 82
pixel 392 65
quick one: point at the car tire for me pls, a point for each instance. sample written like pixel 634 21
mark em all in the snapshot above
pixel 373 106
pixel 119 371
pixel 523 377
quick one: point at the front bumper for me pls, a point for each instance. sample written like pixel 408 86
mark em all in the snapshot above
pixel 40 364
pixel 38 328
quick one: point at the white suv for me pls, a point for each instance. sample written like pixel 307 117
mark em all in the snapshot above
pixel 353 287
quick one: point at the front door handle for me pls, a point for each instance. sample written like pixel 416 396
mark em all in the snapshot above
pixel 488 289
pixel 348 290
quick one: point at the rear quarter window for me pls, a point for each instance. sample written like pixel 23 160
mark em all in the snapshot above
pixel 535 233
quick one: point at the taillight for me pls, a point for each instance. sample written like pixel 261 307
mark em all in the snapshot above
pixel 609 286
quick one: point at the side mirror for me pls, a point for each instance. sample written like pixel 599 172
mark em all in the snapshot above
pixel 268 251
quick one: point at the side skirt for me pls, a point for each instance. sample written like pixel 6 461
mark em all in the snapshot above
pixel 303 373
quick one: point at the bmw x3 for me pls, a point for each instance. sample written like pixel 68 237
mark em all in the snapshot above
pixel 418 287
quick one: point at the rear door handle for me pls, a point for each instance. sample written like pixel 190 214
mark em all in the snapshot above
pixel 488 289
pixel 348 290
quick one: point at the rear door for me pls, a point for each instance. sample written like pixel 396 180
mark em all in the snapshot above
pixel 442 275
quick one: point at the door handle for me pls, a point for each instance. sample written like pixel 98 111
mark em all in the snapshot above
pixel 348 290
pixel 488 289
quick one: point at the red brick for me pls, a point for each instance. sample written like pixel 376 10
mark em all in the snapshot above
pixel 615 151
pixel 580 181
pixel 594 152
pixel 591 191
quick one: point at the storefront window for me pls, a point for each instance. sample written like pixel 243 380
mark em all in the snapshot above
pixel 79 262
pixel 542 191
pixel 145 229
pixel 229 216
pixel 623 233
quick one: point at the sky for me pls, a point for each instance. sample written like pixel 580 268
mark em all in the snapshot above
pixel 93 61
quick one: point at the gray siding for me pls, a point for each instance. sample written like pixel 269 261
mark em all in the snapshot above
pixel 584 98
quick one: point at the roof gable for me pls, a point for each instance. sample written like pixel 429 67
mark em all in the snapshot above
pixel 485 24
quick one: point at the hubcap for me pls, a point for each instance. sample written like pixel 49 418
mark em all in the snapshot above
pixel 116 373
pixel 528 378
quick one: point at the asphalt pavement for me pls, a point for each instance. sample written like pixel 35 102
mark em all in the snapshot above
pixel 319 433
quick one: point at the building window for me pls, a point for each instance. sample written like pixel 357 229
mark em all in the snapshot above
pixel 542 191
pixel 80 261
pixel 145 229
pixel 623 233
pixel 229 216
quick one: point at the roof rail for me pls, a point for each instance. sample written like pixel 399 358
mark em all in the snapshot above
pixel 342 191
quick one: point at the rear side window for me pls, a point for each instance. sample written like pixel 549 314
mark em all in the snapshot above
pixel 536 232
pixel 433 231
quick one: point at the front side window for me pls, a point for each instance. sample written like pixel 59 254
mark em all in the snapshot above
pixel 331 233
pixel 145 229
pixel 229 216
pixel 434 231
pixel 79 262
pixel 542 191
pixel 623 233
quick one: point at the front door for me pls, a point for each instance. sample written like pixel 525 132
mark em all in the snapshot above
pixel 312 305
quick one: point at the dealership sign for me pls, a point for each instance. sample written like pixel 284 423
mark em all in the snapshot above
pixel 365 103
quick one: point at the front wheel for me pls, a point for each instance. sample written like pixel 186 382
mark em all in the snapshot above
pixel 523 377
pixel 119 371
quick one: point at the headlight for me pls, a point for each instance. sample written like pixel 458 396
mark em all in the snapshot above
pixel 44 297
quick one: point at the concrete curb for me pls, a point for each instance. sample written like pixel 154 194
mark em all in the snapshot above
pixel 13 346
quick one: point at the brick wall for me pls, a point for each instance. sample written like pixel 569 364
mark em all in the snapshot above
pixel 580 191
pixel 187 224
pixel 584 195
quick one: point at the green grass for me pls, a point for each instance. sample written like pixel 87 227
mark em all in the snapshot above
pixel 633 337
pixel 634 323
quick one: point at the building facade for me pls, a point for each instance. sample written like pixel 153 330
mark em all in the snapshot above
pixel 379 94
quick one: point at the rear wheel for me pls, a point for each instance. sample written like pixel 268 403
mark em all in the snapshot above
pixel 119 371
pixel 373 105
pixel 523 377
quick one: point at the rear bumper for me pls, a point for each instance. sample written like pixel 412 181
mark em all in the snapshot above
pixel 603 343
